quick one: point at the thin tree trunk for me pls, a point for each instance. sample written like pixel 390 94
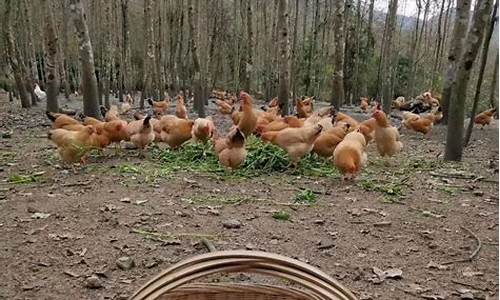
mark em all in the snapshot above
pixel 293 75
pixel 52 59
pixel 454 136
pixel 31 54
pixel 13 56
pixel 284 55
pixel 89 81
pixel 494 85
pixel 338 76
pixel 455 52
pixel 484 58
pixel 148 68
pixel 387 56
pixel 197 80
pixel 413 52
pixel 439 41
pixel 312 51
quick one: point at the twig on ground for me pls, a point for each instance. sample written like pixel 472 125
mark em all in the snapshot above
pixel 209 245
pixel 473 254
pixel 468 285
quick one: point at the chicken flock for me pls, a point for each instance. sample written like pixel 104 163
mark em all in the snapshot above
pixel 328 133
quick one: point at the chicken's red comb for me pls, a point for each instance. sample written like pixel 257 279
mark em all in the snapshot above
pixel 379 107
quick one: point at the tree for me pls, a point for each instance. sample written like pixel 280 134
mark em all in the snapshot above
pixel 31 54
pixel 197 80
pixel 52 59
pixel 284 57
pixel 459 34
pixel 149 55
pixel 89 81
pixel 494 82
pixel 387 56
pixel 338 76
pixel 454 135
pixel 14 56
pixel 484 58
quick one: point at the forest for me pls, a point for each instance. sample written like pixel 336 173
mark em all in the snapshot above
pixel 348 147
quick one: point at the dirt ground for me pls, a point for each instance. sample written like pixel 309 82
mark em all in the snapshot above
pixel 410 214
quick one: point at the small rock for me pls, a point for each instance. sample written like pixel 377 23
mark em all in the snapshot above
pixel 40 215
pixel 467 296
pixel 319 222
pixel 31 210
pixel 125 200
pixel 478 193
pixel 6 135
pixel 93 282
pixel 249 247
pixel 125 263
pixel 231 224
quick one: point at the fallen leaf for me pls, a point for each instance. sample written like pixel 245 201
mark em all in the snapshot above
pixel 39 215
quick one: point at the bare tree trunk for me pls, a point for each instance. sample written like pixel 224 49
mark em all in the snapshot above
pixel 250 45
pixel 89 81
pixel 284 55
pixel 439 41
pixel 338 75
pixel 31 54
pixel 455 52
pixel 51 65
pixel 387 56
pixel 125 75
pixel 312 51
pixel 197 80
pixel 454 136
pixel 13 56
pixel 484 58
pixel 413 52
pixel 148 68
pixel 494 84
pixel 106 55
pixel 293 75
pixel 349 50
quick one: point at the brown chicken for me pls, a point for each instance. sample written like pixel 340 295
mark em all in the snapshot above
pixel 422 124
pixel 485 117
pixel 341 117
pixel 365 104
pixel 386 136
pixel 61 120
pixel 180 108
pixel 127 104
pixel 274 102
pixel 73 146
pixel 328 140
pixel 349 156
pixel 304 107
pixel 367 128
pixel 111 114
pixel 231 149
pixel 282 123
pixel 160 107
pixel 224 107
pixel 248 120
pixel 203 129
pixel 141 133
pixel 430 100
pixel 175 131
pixel 297 142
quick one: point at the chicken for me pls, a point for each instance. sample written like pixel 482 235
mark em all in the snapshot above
pixel 127 104
pixel 429 100
pixel 141 133
pixel 485 117
pixel 386 136
pixel 231 149
pixel 224 107
pixel 422 124
pixel 154 122
pixel 116 130
pixel 297 142
pixel 73 146
pixel 175 131
pixel 274 102
pixel 180 108
pixel 341 117
pixel 398 102
pixel 160 107
pixel 349 156
pixel 282 123
pixel 304 107
pixel 367 128
pixel 111 114
pixel 61 120
pixel 41 95
pixel 248 120
pixel 203 129
pixel 329 139
pixel 364 104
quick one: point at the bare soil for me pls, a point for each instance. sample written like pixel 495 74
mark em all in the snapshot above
pixel 406 213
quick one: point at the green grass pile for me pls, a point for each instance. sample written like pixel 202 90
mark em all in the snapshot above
pixel 262 159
